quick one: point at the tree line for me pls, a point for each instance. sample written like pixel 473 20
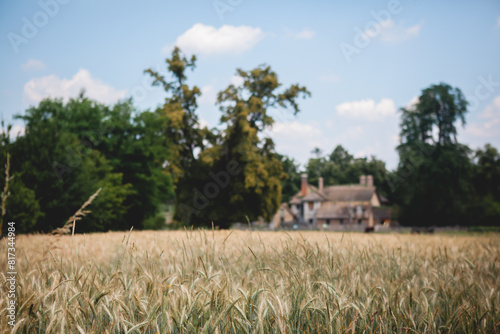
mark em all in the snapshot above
pixel 438 181
pixel 144 159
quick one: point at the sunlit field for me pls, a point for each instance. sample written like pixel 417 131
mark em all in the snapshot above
pixel 255 282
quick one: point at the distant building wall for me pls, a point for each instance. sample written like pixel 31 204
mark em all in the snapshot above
pixel 309 213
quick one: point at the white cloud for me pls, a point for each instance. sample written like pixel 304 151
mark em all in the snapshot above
pixel 203 39
pixel 306 33
pixel 329 78
pixel 400 33
pixel 367 109
pixel 487 129
pixel 490 127
pixel 492 110
pixel 52 86
pixel 413 103
pixel 33 64
pixel 392 33
pixel 296 128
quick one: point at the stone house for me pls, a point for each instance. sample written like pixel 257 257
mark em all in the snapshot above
pixel 333 207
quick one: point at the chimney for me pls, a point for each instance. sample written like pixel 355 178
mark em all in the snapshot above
pixel 303 184
pixel 369 180
pixel 320 184
pixel 362 180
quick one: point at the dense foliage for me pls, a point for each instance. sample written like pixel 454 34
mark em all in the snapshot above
pixel 230 175
pixel 439 181
pixel 69 150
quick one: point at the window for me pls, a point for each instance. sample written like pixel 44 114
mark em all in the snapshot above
pixel 310 221
pixel 341 221
pixel 311 205
pixel 297 206
pixel 359 221
pixel 328 222
pixel 282 219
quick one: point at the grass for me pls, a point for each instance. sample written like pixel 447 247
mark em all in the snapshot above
pixel 255 282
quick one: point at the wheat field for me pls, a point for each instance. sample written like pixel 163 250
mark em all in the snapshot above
pixel 255 282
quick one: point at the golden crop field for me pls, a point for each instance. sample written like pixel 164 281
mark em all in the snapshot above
pixel 255 282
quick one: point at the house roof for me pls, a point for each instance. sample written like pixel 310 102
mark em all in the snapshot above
pixel 285 207
pixel 312 194
pixel 342 193
pixel 348 193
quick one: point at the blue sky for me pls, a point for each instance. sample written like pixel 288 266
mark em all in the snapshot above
pixel 361 61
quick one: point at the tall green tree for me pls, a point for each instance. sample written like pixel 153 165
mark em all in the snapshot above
pixel 290 185
pixel 432 183
pixel 487 173
pixel 256 189
pixel 187 138
pixel 485 208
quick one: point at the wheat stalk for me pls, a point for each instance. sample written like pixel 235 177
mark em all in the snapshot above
pixel 78 215
pixel 69 226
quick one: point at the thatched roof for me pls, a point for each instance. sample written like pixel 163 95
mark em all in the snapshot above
pixel 349 193
pixel 345 193
pixel 313 194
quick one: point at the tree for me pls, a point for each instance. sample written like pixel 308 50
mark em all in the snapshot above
pixel 487 172
pixel 342 168
pixel 69 150
pixel 229 175
pixel 20 204
pixel 341 157
pixel 290 185
pixel 433 179
pixel 322 167
pixel 61 172
pixel 137 147
pixel 485 208
pixel 188 140
pixel 255 187
pixel 317 152
pixel 439 107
